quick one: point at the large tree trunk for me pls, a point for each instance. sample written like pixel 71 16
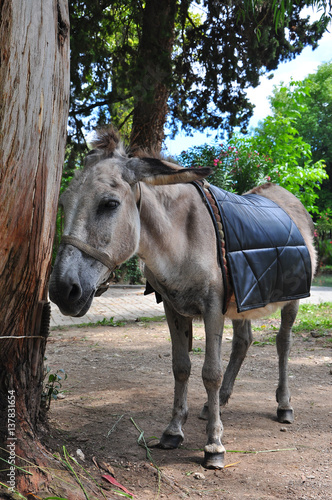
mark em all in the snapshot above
pixel 151 86
pixel 34 99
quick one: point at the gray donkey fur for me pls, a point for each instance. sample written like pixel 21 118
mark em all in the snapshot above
pixel 124 206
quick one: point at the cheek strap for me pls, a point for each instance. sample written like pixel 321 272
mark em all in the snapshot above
pixel 102 257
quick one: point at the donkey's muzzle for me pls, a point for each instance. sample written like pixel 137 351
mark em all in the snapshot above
pixel 69 295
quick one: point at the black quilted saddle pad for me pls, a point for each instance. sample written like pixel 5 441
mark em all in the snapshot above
pixel 267 257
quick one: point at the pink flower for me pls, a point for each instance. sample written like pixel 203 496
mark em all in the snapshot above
pixel 268 178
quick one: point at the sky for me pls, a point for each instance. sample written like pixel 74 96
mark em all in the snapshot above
pixel 300 67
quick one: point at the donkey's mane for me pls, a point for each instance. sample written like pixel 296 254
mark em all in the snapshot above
pixel 107 139
pixel 107 144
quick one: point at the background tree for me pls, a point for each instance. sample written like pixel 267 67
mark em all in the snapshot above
pixel 138 63
pixel 277 136
pixel 34 100
pixel 314 122
pixel 275 151
pixel 312 119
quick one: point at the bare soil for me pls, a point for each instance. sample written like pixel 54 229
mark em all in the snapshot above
pixel 121 376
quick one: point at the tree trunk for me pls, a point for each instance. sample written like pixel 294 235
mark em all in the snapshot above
pixel 34 100
pixel 151 89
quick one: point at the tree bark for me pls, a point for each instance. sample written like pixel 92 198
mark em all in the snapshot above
pixel 152 73
pixel 34 101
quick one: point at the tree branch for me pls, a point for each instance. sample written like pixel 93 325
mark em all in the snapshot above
pixel 98 104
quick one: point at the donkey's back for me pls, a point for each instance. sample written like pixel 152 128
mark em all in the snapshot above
pixel 303 222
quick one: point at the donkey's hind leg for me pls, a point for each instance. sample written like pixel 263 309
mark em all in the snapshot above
pixel 285 413
pixel 181 332
pixel 242 338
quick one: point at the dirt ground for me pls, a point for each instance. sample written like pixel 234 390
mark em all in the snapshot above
pixel 121 376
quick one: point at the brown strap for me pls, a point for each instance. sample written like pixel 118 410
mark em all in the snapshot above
pixel 216 219
pixel 102 257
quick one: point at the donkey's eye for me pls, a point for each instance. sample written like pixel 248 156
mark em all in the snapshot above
pixel 106 206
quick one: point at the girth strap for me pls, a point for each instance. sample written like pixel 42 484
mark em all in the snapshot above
pixel 102 257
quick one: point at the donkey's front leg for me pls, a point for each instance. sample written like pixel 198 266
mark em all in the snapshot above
pixel 212 376
pixel 181 332
pixel 242 338
pixel 285 412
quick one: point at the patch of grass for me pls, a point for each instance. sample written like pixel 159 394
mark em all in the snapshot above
pixel 271 340
pixel 197 350
pixel 103 322
pixel 111 322
pixel 314 317
pixel 263 328
pixel 154 319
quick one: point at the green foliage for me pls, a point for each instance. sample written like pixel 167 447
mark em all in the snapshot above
pixel 323 234
pixel 314 317
pixel 204 156
pixel 246 166
pixel 271 340
pixel 311 104
pixel 324 223
pixel 129 272
pixel 210 62
pixel 52 386
pixel 315 122
pixel 245 162
pixel 324 248
pixel 275 152
pixel 278 137
pixel 237 166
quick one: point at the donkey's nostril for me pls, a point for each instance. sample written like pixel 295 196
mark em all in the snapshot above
pixel 75 292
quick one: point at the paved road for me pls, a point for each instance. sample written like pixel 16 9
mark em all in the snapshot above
pixel 119 303
pixel 129 303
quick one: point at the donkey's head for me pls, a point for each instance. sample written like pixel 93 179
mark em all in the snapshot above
pixel 102 219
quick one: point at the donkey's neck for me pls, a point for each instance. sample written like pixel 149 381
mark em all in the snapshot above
pixel 173 218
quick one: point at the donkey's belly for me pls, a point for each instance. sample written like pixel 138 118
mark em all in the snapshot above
pixel 189 300
pixel 261 312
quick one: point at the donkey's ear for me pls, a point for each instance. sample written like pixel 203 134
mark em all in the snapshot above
pixel 160 172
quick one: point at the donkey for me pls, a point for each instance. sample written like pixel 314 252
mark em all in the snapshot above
pixel 118 206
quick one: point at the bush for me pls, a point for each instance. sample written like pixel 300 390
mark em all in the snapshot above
pixel 129 272
pixel 323 234
pixel 237 166
pixel 278 137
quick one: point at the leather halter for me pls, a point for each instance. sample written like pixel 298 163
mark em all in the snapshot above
pixel 102 257
pixel 93 252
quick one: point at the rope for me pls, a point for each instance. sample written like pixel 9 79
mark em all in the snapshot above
pixel 102 257
pixel 22 337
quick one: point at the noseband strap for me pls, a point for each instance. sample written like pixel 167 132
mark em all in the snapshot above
pixel 102 257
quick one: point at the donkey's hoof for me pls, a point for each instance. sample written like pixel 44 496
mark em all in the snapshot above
pixel 285 416
pixel 204 413
pixel 214 460
pixel 169 441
